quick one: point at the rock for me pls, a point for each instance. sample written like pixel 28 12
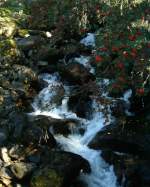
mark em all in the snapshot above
pixel 4 155
pixel 22 169
pixel 19 121
pixel 59 169
pixel 16 152
pixel 80 103
pixel 140 105
pixel 23 153
pixel 7 105
pixel 51 68
pixel 7 26
pixel 3 137
pixel 127 136
pixel 48 53
pixel 59 126
pixel 42 63
pixel 130 170
pixel 46 177
pixel 75 73
pixel 25 79
pixel 11 112
pixel 5 176
pixel 24 73
pixel 34 158
pixel 38 136
pixel 29 42
pixel 118 108
pixel 9 53
pixel 70 50
pixel 79 183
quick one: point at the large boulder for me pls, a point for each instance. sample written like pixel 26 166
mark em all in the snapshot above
pixel 80 103
pixel 29 42
pixel 75 73
pixel 37 136
pixel 61 169
pixel 21 169
pixel 131 171
pixel 140 105
pixel 46 177
pixel 128 136
pixel 59 126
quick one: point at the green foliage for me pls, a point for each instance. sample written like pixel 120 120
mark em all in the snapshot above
pixel 126 46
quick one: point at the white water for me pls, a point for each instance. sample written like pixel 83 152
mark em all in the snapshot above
pixel 89 40
pixel 102 174
pixel 85 62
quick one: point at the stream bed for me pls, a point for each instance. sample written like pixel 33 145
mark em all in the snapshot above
pixel 102 174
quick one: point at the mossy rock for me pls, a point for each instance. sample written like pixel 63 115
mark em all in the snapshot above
pixel 7 27
pixel 9 52
pixel 23 32
pixel 5 12
pixel 46 177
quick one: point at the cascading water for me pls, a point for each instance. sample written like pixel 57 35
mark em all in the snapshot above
pixel 102 174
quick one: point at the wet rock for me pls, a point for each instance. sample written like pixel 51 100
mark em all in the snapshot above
pixel 79 183
pixel 140 105
pixel 38 136
pixel 51 68
pixel 59 126
pixel 48 53
pixel 59 169
pixel 7 26
pixel 17 123
pixel 3 137
pixel 22 169
pixel 80 103
pixel 127 136
pixel 118 108
pixel 29 42
pixel 34 158
pixel 70 50
pixel 42 63
pixel 75 73
pixel 131 171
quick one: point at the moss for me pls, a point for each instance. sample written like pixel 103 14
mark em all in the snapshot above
pixel 6 47
pixel 16 9
pixel 46 177
pixel 5 12
pixel 9 52
pixel 7 26
pixel 23 32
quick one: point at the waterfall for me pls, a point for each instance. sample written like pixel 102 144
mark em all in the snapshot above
pixel 102 174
